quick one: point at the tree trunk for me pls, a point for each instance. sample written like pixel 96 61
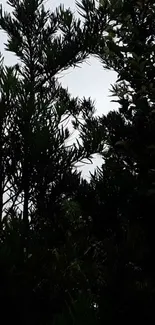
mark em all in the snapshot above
pixel 26 201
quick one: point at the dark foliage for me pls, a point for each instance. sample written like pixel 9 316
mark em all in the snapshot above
pixel 44 238
pixel 123 188
pixel 73 252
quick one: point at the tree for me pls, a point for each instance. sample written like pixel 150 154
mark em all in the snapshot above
pixel 124 187
pixel 44 263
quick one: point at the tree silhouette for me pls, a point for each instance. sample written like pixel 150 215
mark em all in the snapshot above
pixel 44 236
pixel 124 187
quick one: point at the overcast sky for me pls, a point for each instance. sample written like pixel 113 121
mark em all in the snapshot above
pixel 90 80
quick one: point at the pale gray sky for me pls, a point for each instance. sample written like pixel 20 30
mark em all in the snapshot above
pixel 90 80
